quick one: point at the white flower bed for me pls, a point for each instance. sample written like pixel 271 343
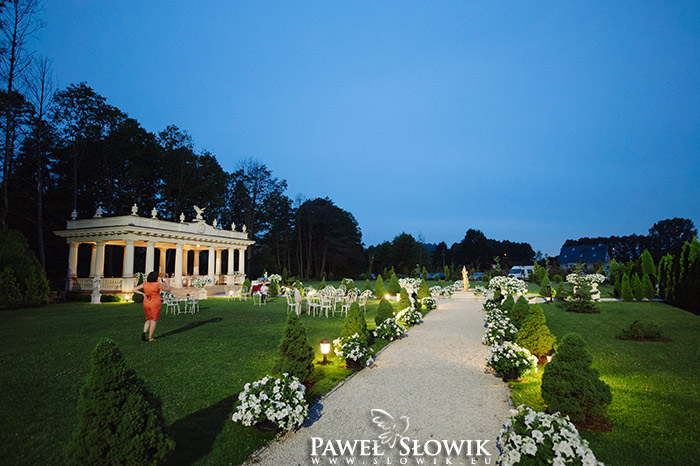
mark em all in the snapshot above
pixel 479 291
pixel 390 329
pixel 429 303
pixel 585 279
pixel 275 277
pixel 410 283
pixel 438 290
pixel 457 286
pixel 409 317
pixel 506 357
pixel 278 400
pixel 537 438
pixel 510 285
pixel 498 328
pixel 353 348
pixel 201 282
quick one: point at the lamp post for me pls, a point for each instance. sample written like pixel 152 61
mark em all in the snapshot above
pixel 325 349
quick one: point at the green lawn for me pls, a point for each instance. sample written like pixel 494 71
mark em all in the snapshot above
pixel 198 365
pixel 656 386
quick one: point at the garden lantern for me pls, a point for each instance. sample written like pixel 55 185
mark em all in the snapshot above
pixel 549 292
pixel 325 349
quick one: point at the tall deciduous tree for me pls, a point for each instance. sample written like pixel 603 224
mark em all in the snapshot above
pixel 668 236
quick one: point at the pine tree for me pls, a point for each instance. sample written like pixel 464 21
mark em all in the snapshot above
pixel 355 323
pixel 379 290
pixel 394 286
pixel 519 312
pixel 384 311
pixel 637 288
pixel 647 264
pixel 626 289
pixel 423 291
pixel 119 420
pixel 297 355
pixel 543 286
pixel 647 288
pixel 571 386
pixel 534 335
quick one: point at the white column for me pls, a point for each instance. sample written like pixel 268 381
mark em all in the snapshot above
pixel 229 276
pixel 218 262
pixel 92 260
pixel 195 263
pixel 178 265
pixel 212 259
pixel 99 260
pixel 72 260
pixel 150 257
pixel 241 261
pixel 128 269
pixel 185 259
pixel 161 266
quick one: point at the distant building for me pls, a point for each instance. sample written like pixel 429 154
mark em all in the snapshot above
pixel 588 256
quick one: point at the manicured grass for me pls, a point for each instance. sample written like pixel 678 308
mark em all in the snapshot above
pixel 198 365
pixel 656 386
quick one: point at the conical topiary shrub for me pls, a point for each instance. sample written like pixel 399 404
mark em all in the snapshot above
pixel 519 312
pixel 571 386
pixel 119 420
pixel 507 305
pixel 543 286
pixel 637 288
pixel 404 300
pixel 137 297
pixel 323 283
pixel 379 290
pixel 384 311
pixel 394 286
pixel 355 323
pixel 297 355
pixel 534 335
pixel 423 291
pixel 274 289
pixel 647 288
pixel 367 286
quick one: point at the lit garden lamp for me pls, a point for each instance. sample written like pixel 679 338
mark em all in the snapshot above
pixel 550 353
pixel 325 349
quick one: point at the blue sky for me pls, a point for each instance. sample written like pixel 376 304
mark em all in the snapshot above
pixel 531 121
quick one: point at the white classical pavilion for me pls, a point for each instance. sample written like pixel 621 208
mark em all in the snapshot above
pixel 132 231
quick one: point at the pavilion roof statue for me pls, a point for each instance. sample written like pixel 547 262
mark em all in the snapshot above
pixel 200 211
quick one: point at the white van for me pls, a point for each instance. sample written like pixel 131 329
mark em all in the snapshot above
pixel 522 272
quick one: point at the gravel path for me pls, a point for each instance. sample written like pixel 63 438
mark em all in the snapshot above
pixel 435 377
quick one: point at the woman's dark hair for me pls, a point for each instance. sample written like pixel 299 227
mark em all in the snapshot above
pixel 152 277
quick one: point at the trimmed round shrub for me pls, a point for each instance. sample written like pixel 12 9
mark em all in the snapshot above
pixel 297 355
pixel 571 386
pixel 557 278
pixel 534 335
pixel 24 282
pixel 119 420
pixel 379 290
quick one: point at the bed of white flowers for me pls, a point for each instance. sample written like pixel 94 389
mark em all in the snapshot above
pixel 353 348
pixel 280 401
pixel 530 437
pixel 201 282
pixel 429 303
pixel 409 317
pixel 276 277
pixel 490 305
pixel 509 360
pixel 390 329
pixel 508 285
pixel 479 290
pixel 499 328
pixel 585 279
pixel 410 284
pixel 457 285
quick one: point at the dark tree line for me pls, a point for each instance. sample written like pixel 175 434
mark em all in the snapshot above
pixel 665 237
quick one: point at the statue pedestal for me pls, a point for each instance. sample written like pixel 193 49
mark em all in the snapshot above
pixel 95 298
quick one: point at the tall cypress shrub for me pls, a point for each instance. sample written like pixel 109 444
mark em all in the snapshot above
pixel 543 286
pixel 637 288
pixel 647 264
pixel 571 386
pixel 404 300
pixel 424 273
pixel 626 289
pixel 647 288
pixel 447 273
pixel 323 283
pixel 296 354
pixel 119 420
pixel 367 286
pixel 379 290
pixel 423 291
pixel 137 297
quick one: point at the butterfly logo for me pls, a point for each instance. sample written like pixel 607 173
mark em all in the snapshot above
pixel 393 429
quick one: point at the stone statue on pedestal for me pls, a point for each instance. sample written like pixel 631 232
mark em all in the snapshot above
pixel 96 296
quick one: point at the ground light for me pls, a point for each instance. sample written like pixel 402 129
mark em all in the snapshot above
pixel 325 349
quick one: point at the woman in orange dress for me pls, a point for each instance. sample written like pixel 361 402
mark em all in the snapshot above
pixel 150 290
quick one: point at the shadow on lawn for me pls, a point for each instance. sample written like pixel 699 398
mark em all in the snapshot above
pixel 190 326
pixel 195 434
